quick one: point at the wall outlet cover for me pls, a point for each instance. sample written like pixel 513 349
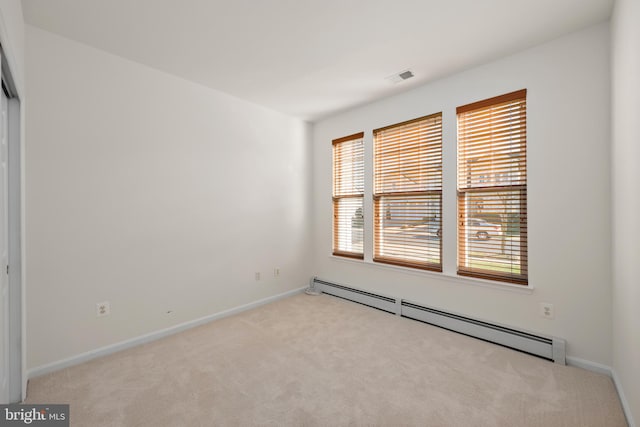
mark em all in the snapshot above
pixel 103 309
pixel 547 311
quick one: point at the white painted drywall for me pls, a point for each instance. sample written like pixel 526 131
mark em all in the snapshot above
pixel 625 108
pixel 154 193
pixel 12 38
pixel 569 203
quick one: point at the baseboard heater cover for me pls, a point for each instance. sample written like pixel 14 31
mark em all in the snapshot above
pixel 550 348
pixel 380 302
pixel 547 347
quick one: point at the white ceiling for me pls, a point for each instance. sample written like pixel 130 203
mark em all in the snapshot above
pixel 312 58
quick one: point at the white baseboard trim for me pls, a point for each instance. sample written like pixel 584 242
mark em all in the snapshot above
pixel 113 348
pixel 606 370
pixel 589 365
pixel 623 399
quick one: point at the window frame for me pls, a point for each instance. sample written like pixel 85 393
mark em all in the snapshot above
pixel 464 192
pixel 336 198
pixel 409 197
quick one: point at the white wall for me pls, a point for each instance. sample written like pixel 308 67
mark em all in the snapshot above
pixel 153 193
pixel 626 199
pixel 12 38
pixel 569 213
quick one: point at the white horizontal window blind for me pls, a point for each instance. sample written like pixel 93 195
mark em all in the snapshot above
pixel 348 196
pixel 408 193
pixel 492 188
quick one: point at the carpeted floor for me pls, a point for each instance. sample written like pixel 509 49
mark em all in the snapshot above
pixel 323 361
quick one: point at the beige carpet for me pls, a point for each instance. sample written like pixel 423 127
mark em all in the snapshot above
pixel 323 361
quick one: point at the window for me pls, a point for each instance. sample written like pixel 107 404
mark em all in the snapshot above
pixel 348 196
pixel 408 193
pixel 492 189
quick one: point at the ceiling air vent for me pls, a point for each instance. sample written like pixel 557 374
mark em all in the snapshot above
pixel 402 75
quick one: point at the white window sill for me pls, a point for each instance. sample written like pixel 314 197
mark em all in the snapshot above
pixel 460 280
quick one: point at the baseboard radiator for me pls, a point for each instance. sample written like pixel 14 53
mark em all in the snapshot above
pixel 550 348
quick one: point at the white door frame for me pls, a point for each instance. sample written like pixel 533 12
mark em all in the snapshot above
pixel 15 254
pixel 5 306
pixel 14 160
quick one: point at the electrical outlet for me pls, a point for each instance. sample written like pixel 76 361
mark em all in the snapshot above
pixel 103 309
pixel 547 311
pixel 257 275
pixel 276 272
